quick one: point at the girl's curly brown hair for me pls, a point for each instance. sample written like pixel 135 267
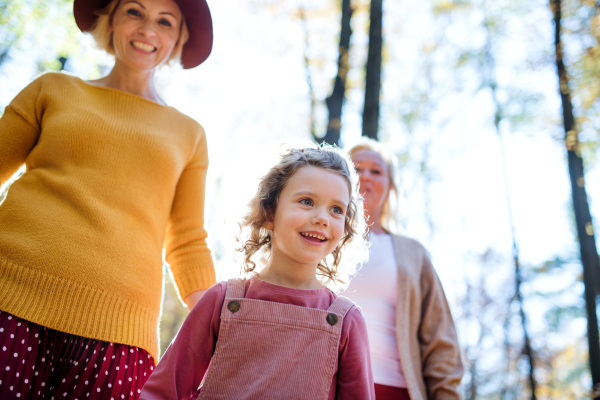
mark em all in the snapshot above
pixel 263 205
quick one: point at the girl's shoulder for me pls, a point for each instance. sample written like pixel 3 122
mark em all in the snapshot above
pixel 354 327
pixel 354 310
pixel 216 291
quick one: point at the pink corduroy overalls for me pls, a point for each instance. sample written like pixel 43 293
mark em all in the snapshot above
pixel 269 350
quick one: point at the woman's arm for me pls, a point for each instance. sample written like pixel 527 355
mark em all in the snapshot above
pixel 181 369
pixel 440 354
pixel 193 298
pixel 185 243
pixel 355 377
pixel 20 127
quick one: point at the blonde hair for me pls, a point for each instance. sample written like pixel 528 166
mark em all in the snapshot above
pixel 331 271
pixel 104 37
pixel 389 216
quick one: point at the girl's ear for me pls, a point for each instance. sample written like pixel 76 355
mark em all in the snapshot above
pixel 269 223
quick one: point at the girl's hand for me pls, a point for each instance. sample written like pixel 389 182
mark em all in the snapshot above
pixel 193 298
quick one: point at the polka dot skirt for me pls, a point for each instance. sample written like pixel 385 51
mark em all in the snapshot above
pixel 41 363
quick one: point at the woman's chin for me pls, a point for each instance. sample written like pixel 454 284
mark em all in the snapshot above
pixel 144 67
pixel 141 64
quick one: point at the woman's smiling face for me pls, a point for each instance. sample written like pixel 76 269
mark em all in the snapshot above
pixel 145 32
pixel 309 219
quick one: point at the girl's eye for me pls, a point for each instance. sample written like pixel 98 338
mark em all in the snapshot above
pixel 306 202
pixel 337 210
pixel 134 12
pixel 376 172
pixel 165 22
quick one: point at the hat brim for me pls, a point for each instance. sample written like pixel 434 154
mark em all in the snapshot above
pixel 197 16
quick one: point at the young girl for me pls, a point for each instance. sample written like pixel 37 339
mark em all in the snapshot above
pixel 282 333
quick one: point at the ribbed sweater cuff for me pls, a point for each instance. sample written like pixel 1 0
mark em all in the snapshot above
pixel 72 307
pixel 189 280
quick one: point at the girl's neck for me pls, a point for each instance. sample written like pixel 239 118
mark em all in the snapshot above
pixel 140 83
pixel 290 274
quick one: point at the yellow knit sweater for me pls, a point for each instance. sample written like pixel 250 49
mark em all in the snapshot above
pixel 110 179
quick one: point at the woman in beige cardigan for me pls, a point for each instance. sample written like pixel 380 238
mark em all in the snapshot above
pixel 414 348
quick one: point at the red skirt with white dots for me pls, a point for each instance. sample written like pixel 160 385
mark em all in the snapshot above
pixel 41 363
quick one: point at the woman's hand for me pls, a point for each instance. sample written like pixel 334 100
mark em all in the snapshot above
pixel 193 298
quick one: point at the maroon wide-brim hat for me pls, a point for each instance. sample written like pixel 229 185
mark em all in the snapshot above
pixel 197 16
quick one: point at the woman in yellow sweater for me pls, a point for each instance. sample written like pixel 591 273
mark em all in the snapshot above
pixel 113 175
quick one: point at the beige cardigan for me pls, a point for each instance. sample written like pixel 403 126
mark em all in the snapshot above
pixel 427 341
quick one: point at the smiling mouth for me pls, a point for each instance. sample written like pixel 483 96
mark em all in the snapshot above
pixel 143 46
pixel 313 237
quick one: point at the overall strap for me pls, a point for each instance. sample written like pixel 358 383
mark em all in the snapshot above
pixel 341 305
pixel 236 288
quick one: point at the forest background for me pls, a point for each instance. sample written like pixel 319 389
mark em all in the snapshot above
pixel 469 102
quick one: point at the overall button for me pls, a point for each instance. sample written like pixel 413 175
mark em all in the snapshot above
pixel 234 306
pixel 332 319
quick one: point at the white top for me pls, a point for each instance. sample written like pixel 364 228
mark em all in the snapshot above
pixel 375 290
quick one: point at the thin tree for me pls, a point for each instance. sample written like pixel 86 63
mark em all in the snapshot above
pixel 370 126
pixel 489 80
pixel 309 81
pixel 336 100
pixel 585 230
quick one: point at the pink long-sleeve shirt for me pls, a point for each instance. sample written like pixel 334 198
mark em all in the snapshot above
pixel 180 371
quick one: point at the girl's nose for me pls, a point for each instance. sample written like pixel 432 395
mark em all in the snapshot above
pixel 320 219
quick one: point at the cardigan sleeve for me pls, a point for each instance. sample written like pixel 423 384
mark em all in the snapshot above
pixel 186 250
pixel 179 373
pixel 440 353
pixel 20 127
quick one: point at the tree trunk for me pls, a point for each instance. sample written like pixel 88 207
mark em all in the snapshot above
pixel 527 343
pixel 311 91
pixel 490 81
pixel 336 100
pixel 527 349
pixel 63 62
pixel 373 72
pixel 585 230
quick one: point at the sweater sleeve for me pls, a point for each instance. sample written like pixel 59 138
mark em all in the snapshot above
pixel 354 376
pixel 181 369
pixel 440 354
pixel 186 250
pixel 20 128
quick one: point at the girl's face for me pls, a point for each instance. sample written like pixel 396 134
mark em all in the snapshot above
pixel 310 217
pixel 145 32
pixel 374 180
